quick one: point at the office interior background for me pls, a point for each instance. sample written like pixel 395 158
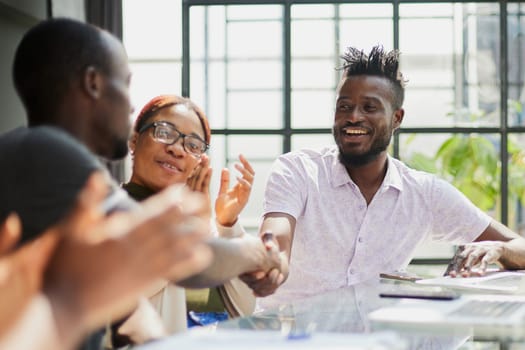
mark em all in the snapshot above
pixel 265 72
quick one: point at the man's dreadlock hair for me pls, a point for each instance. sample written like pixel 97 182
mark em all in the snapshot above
pixel 378 63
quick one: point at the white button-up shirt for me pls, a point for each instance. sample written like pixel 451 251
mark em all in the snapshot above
pixel 339 240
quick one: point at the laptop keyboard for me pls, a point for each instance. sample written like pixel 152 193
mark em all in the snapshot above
pixel 485 308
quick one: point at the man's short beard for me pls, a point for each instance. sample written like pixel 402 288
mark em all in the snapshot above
pixel 351 160
pixel 358 160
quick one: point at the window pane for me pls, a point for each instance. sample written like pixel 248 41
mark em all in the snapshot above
pixel 152 28
pixel 316 73
pixel 313 109
pixel 365 25
pixel 460 54
pixel 429 108
pixel 236 65
pixel 312 11
pixel 255 12
pixel 255 75
pixel 152 79
pixel 516 71
pixel 314 141
pixel 516 182
pixel 366 33
pixel 359 11
pixel 309 38
pixel 254 39
pixel 254 110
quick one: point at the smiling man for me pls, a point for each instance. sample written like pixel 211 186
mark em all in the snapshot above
pixel 347 212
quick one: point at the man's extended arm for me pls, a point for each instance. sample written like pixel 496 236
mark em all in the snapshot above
pixel 233 257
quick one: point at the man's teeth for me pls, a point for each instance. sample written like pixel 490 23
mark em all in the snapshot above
pixel 355 132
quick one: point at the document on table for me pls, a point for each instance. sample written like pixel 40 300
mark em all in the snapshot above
pixel 262 340
pixel 501 281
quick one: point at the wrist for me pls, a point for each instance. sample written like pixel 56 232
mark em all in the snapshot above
pixel 230 231
pixel 229 222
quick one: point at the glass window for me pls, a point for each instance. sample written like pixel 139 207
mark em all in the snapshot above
pixel 152 79
pixel 241 64
pixel 455 68
pixel 236 66
pixel 313 141
pixel 153 33
pixel 516 74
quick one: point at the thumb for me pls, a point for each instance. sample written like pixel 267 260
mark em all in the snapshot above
pixel 10 231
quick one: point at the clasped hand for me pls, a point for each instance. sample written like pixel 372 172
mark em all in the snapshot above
pixel 264 283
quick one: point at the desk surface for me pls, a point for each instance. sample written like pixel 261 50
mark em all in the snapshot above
pixel 341 313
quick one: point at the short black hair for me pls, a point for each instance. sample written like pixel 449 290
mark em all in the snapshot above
pixel 43 186
pixel 50 58
pixel 379 63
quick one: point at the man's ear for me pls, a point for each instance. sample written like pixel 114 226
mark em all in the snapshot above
pixel 398 118
pixel 92 82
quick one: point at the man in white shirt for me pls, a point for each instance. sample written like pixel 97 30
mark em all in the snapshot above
pixel 347 212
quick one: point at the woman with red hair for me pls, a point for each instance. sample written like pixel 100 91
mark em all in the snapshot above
pixel 169 143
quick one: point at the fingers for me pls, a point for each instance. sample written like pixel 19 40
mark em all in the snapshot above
pixel 474 259
pixel 491 257
pixel 245 169
pixel 225 181
pixel 87 209
pixel 200 180
pixel 265 283
pixel 265 286
pixel 201 176
pixel 10 232
pixel 246 164
pixel 456 265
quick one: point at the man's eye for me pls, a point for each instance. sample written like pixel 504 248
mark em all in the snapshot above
pixel 344 108
pixel 370 108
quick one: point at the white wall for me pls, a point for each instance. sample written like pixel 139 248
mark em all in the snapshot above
pixel 16 17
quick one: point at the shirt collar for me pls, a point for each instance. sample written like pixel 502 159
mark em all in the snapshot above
pixel 340 176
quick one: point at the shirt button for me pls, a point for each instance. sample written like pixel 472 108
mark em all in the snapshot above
pixel 361 207
pixel 352 271
pixel 360 239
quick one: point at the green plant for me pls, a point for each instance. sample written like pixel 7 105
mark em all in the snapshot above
pixel 471 163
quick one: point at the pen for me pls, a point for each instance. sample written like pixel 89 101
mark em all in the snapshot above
pixel 296 335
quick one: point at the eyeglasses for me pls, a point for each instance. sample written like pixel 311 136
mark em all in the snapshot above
pixel 167 134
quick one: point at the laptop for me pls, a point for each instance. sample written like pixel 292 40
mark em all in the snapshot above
pixel 483 314
pixel 494 281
